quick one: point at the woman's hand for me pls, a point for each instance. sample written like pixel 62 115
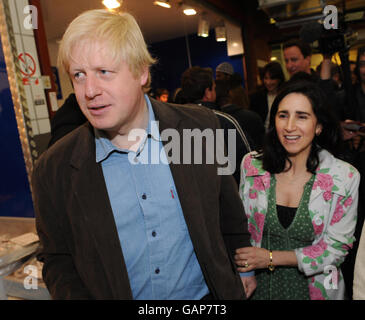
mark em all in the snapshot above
pixel 249 284
pixel 251 258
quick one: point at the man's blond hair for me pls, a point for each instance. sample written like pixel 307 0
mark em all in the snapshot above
pixel 118 31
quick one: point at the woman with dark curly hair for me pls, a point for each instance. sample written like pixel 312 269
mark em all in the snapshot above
pixel 300 200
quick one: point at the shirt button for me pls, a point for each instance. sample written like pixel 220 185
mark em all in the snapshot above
pixel 157 271
pixel 154 233
pixel 144 197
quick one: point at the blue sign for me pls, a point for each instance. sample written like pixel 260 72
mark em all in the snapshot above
pixel 15 195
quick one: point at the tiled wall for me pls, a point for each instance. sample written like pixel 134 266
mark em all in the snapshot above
pixel 31 73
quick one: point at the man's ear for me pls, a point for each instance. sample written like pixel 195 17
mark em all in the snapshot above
pixel 207 94
pixel 144 76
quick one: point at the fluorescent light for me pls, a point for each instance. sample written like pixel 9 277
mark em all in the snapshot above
pixel 220 34
pixel 189 11
pixel 162 3
pixel 111 4
pixel 203 27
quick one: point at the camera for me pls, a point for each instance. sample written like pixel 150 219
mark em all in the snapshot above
pixel 330 41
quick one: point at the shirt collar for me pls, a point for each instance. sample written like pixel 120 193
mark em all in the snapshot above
pixel 104 146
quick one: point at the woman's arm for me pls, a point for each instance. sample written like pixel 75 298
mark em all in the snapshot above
pixel 259 258
pixel 338 236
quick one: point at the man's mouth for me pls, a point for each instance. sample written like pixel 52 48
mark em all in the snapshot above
pixel 97 107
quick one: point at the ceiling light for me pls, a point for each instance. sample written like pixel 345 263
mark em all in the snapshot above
pixel 203 27
pixel 189 11
pixel 162 3
pixel 220 34
pixel 111 4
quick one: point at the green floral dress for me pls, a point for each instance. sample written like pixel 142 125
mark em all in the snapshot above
pixel 285 283
pixel 332 208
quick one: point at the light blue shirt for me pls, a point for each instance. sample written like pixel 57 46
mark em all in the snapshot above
pixel 157 248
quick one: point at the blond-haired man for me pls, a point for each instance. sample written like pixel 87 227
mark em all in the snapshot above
pixel 113 223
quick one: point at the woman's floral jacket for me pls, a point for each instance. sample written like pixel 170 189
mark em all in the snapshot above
pixel 332 208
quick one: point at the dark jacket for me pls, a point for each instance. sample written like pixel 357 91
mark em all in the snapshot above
pixel 258 103
pixel 245 143
pixel 250 122
pixel 66 119
pixel 81 251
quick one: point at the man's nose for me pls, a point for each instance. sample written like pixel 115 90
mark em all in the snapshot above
pixel 289 66
pixel 92 88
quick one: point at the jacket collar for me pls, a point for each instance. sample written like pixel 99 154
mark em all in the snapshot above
pixel 328 165
pixel 85 147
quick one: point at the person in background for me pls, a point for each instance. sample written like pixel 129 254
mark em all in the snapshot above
pixel 355 143
pixel 162 94
pixel 249 121
pixel 336 75
pixel 261 101
pixel 199 88
pixel 224 71
pixel 300 201
pixel 237 92
pixel 66 119
pixel 359 112
pixel 298 55
pixel 112 223
pixel 353 72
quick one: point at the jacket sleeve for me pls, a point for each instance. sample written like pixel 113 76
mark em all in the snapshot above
pixel 233 219
pixel 359 275
pixel 59 272
pixel 337 238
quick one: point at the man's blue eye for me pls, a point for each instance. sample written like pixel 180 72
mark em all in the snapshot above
pixel 77 75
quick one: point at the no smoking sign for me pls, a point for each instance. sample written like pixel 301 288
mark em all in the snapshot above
pixel 27 64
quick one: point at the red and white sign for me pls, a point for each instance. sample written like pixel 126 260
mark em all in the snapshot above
pixel 28 66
